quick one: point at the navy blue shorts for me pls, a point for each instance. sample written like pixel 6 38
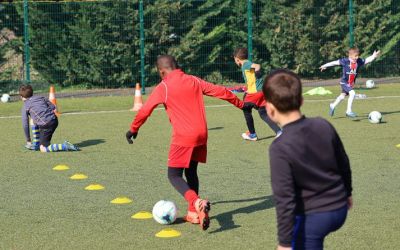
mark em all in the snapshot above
pixel 346 88
pixel 46 132
pixel 310 230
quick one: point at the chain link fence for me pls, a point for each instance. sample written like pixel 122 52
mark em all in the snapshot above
pixel 114 44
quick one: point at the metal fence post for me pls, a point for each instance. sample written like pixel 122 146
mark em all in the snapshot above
pixel 26 44
pixel 351 23
pixel 249 29
pixel 142 73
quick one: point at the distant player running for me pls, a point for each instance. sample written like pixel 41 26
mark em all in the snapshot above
pixel 350 67
pixel 182 97
pixel 253 79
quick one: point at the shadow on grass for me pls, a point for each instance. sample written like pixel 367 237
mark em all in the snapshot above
pixel 179 220
pixel 265 138
pixel 365 116
pixel 216 128
pixel 390 112
pixel 225 220
pixel 89 143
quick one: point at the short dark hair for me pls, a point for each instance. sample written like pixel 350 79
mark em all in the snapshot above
pixel 241 53
pixel 25 91
pixel 167 62
pixel 283 89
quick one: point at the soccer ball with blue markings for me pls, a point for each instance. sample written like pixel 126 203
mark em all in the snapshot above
pixel 375 117
pixel 165 212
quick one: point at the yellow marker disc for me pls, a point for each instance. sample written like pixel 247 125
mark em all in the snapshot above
pixel 61 167
pixel 168 233
pixel 78 177
pixel 121 200
pixel 398 145
pixel 142 215
pixel 94 187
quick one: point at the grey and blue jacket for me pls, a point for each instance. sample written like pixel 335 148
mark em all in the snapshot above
pixel 40 110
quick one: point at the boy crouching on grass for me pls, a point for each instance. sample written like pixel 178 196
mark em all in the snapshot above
pixel 310 171
pixel 41 112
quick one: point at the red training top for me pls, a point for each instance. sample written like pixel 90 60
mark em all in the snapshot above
pixel 182 96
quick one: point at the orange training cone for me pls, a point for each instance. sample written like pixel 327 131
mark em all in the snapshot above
pixel 137 102
pixel 52 99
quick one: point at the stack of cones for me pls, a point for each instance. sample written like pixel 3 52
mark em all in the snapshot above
pixel 52 99
pixel 137 102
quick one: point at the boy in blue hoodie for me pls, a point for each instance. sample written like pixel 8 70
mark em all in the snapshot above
pixel 44 122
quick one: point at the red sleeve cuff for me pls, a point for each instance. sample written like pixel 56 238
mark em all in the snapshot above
pixel 133 130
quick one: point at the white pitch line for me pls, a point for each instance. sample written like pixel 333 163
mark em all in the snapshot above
pixel 108 111
pixel 209 106
pixel 368 98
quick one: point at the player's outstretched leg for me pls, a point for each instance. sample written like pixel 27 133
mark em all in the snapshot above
pixel 349 111
pixel 175 176
pixel 333 105
pixel 264 116
pixel 66 146
pixel 70 146
pixel 251 134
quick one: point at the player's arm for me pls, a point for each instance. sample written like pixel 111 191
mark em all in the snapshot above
pixel 344 165
pixel 372 57
pixel 222 93
pixel 25 124
pixel 256 67
pixel 329 64
pixel 158 96
pixel 51 105
pixel 284 195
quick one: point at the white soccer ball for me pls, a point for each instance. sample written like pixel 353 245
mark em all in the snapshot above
pixel 165 212
pixel 370 84
pixel 375 117
pixel 5 98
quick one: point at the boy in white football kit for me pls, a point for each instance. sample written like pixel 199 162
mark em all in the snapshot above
pixel 350 67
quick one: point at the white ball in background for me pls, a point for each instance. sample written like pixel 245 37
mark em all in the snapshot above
pixel 165 212
pixel 370 84
pixel 5 98
pixel 375 117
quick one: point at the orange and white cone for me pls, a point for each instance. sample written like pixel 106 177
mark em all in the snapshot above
pixel 52 99
pixel 137 102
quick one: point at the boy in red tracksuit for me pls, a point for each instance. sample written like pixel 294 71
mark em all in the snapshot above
pixel 182 97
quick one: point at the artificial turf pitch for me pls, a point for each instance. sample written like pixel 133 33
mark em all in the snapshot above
pixel 43 209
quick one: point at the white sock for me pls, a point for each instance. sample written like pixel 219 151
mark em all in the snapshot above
pixel 337 101
pixel 352 93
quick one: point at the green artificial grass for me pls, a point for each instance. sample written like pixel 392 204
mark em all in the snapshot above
pixel 43 209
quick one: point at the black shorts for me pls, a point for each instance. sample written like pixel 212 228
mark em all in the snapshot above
pixel 47 131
